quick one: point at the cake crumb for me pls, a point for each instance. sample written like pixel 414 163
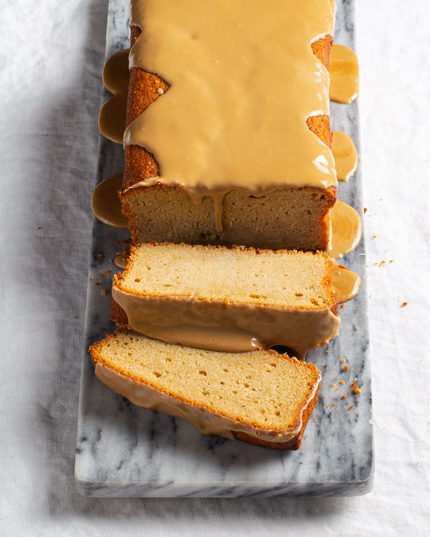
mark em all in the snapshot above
pixel 343 359
pixel 356 388
pixel 101 257
pixel 346 367
pixel 404 304
pixel 97 283
pixel 342 382
pixel 106 272
pixel 342 306
pixel 334 404
pixel 103 292
pixel 351 407
pixel 343 396
pixel 76 317
pixel 365 210
pixel 327 352
pixel 333 385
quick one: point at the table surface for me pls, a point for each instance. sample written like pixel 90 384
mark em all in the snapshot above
pixel 50 89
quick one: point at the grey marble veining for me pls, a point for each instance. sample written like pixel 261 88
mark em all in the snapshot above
pixel 123 450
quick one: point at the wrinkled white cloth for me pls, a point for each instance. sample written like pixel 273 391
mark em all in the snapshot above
pixel 51 58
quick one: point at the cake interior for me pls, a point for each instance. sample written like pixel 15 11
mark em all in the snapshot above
pixel 297 279
pixel 259 388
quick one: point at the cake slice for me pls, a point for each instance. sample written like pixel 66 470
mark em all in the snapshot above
pixel 260 397
pixel 225 299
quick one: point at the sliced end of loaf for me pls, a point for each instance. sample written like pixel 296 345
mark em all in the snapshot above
pixel 261 394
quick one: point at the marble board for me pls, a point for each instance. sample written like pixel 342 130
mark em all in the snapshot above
pixel 126 451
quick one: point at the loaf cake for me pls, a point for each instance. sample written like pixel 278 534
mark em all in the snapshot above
pixel 260 397
pixel 225 299
pixel 259 171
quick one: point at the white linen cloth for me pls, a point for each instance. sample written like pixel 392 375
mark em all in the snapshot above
pixel 51 58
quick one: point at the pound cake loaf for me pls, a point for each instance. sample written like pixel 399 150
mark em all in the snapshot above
pixel 235 147
pixel 225 299
pixel 260 397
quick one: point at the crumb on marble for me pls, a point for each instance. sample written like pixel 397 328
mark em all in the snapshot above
pixel 356 388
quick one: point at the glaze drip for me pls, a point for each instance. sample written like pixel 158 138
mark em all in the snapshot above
pixel 345 155
pixel 105 202
pixel 346 230
pixel 113 113
pixel 343 74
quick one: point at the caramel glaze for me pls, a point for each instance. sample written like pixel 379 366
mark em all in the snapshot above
pixel 116 75
pixel 224 326
pixel 204 129
pixel 346 230
pixel 105 202
pixel 343 75
pixel 346 283
pixel 121 259
pixel 345 156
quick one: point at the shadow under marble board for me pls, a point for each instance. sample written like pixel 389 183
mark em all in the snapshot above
pixel 123 450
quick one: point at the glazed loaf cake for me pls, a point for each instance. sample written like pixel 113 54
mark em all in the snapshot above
pixel 259 397
pixel 293 214
pixel 227 299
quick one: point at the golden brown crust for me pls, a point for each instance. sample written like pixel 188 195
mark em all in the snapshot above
pixel 117 314
pixel 321 49
pixel 143 86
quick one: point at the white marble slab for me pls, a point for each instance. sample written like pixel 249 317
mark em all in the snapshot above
pixel 123 450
